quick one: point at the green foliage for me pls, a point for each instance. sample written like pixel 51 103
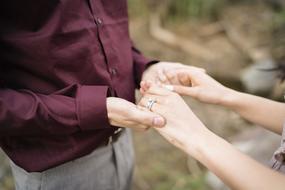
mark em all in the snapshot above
pixel 137 8
pixel 278 47
pixel 183 182
pixel 195 8
pixel 279 18
pixel 178 9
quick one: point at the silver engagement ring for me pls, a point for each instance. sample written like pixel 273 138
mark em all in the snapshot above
pixel 150 103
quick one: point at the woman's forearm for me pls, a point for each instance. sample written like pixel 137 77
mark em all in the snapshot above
pixel 267 113
pixel 258 110
pixel 235 169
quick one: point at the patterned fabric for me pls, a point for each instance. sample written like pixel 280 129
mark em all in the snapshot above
pixel 278 160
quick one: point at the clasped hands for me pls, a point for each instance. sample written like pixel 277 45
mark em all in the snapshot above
pixel 162 107
pixel 122 113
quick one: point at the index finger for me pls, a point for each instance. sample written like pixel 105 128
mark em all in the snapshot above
pixel 160 91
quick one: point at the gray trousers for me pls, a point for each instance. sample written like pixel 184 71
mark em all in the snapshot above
pixel 106 168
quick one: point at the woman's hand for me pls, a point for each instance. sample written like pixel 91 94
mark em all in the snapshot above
pixel 201 86
pixel 187 132
pixel 197 84
pixel 182 127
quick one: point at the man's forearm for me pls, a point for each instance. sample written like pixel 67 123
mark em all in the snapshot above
pixel 267 113
pixel 24 112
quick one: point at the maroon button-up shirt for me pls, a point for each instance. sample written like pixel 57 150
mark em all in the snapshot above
pixel 59 60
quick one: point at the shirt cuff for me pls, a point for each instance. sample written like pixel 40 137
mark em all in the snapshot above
pixel 92 108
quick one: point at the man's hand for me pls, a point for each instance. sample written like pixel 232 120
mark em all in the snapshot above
pixel 156 72
pixel 164 73
pixel 122 113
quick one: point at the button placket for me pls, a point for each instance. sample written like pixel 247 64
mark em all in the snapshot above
pixel 99 21
pixel 113 71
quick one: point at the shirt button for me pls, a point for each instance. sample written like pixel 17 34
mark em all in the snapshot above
pixel 113 72
pixel 118 131
pixel 99 21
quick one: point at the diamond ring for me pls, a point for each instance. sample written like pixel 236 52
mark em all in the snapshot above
pixel 150 103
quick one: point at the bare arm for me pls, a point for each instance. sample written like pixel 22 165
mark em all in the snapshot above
pixel 236 169
pixel 197 84
pixel 188 133
pixel 270 114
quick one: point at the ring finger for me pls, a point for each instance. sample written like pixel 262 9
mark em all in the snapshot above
pixel 146 100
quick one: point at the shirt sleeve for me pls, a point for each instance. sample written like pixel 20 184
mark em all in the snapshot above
pixel 74 108
pixel 140 64
pixel 278 160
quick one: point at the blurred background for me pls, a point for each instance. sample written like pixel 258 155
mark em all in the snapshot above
pixel 235 40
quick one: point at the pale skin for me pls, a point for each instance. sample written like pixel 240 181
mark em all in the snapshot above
pixel 187 132
pixel 122 113
pixel 261 111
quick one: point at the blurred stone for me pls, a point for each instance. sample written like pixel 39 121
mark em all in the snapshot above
pixel 6 179
pixel 258 143
pixel 277 3
pixel 257 79
pixel 278 92
pixel 255 142
pixel 214 182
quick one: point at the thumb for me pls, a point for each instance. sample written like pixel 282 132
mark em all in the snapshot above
pixel 183 90
pixel 144 116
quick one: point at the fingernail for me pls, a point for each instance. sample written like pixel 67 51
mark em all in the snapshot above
pixel 158 121
pixel 169 87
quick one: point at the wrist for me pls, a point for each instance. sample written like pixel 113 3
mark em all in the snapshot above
pixel 204 145
pixel 230 98
pixel 197 142
pixel 110 109
pixel 109 104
